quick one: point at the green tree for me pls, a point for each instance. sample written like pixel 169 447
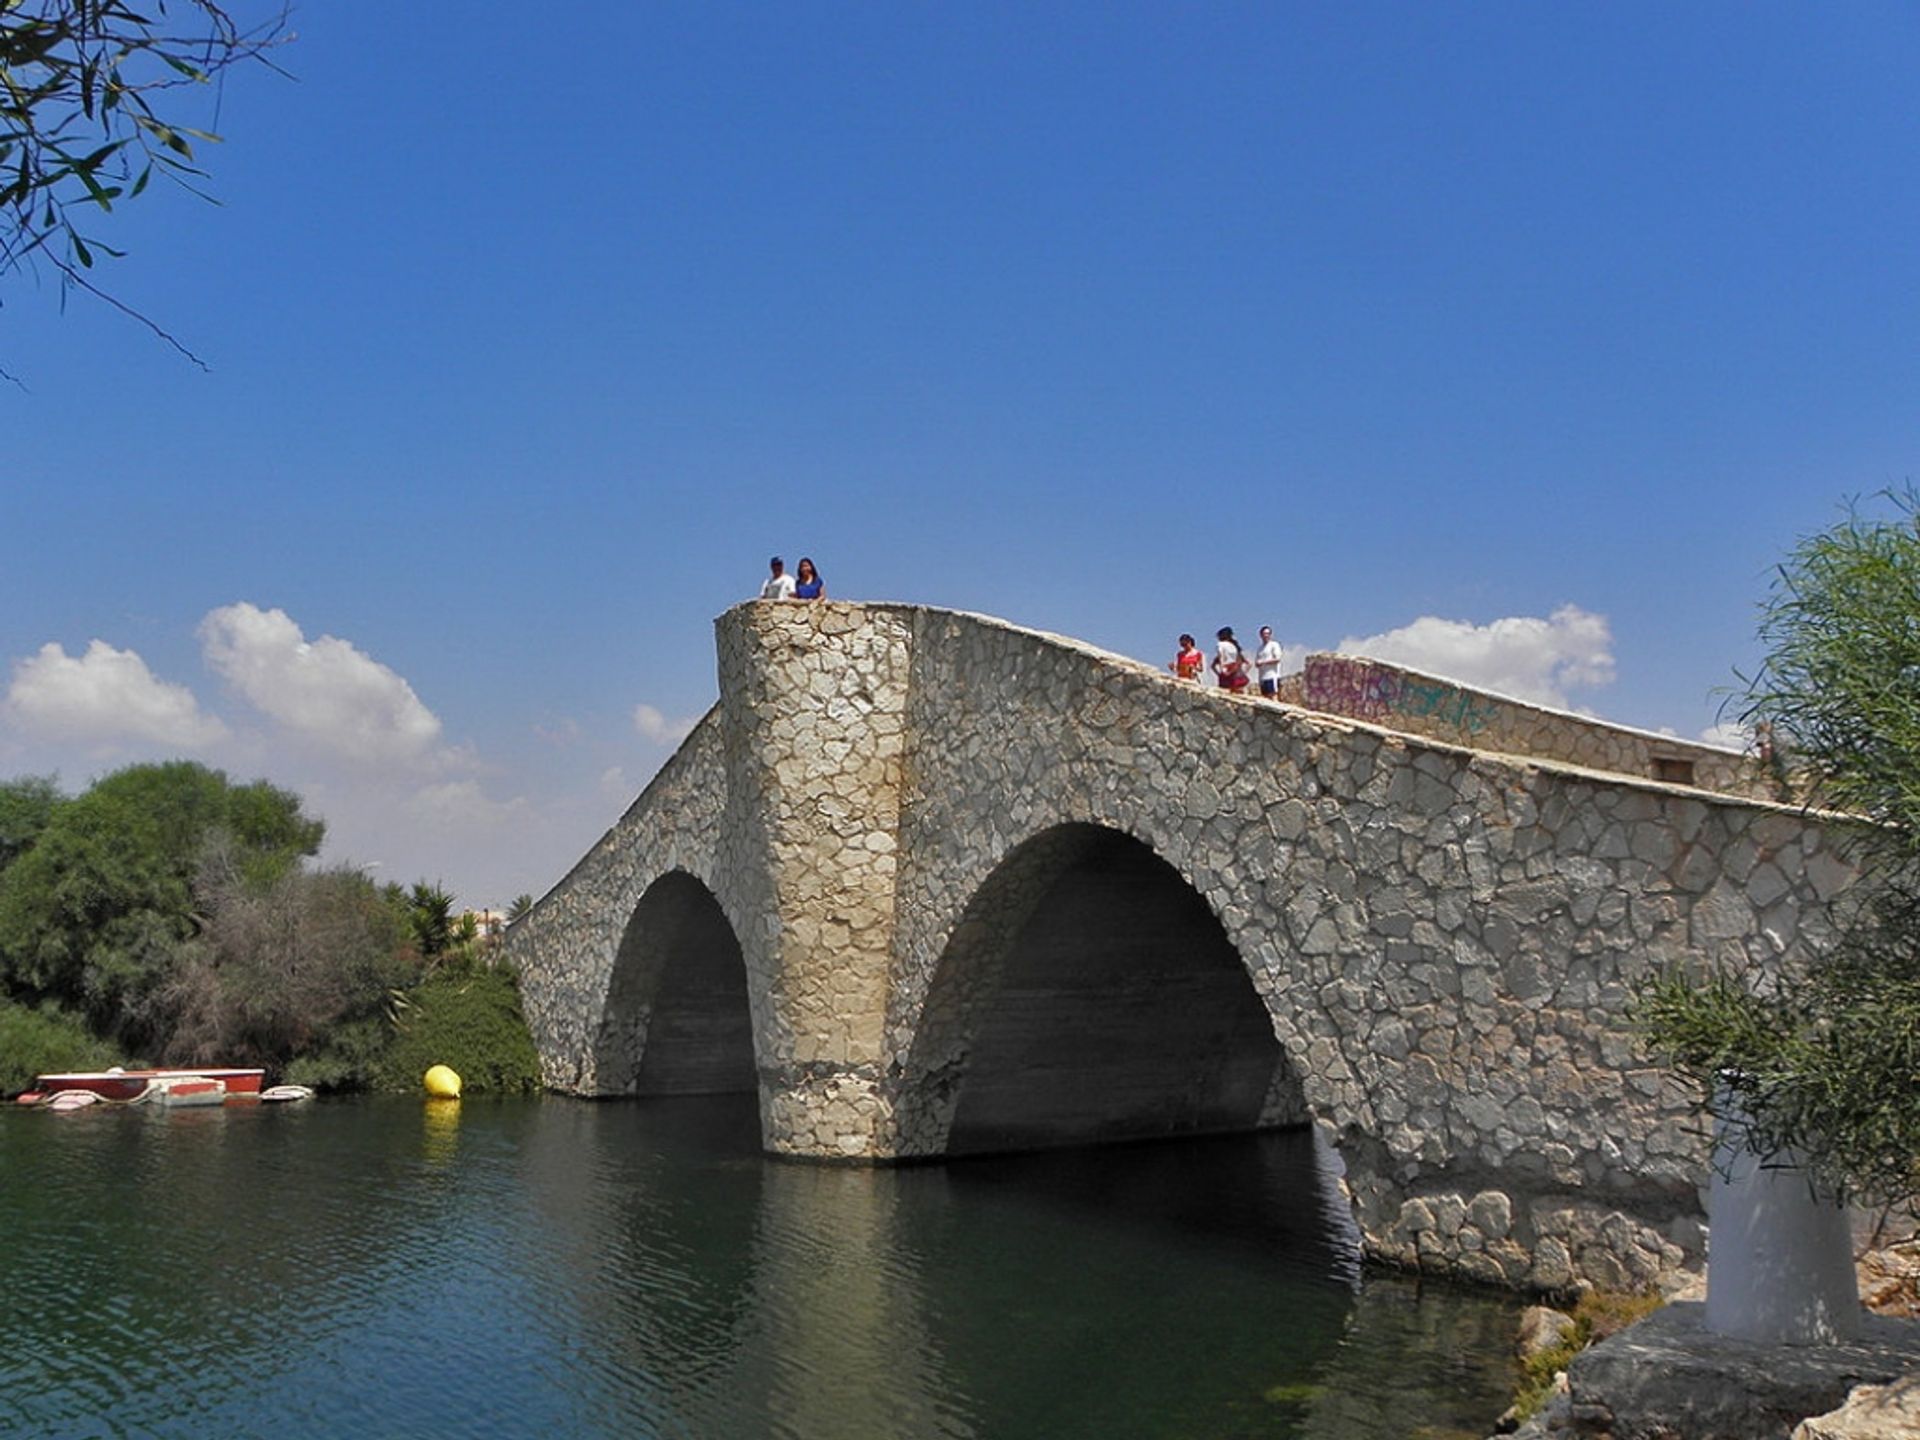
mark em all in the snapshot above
pixel 26 805
pixel 1829 1066
pixel 90 92
pixel 93 915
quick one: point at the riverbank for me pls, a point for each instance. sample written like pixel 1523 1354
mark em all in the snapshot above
pixel 1666 1377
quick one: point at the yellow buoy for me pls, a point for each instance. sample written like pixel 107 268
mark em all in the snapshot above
pixel 442 1083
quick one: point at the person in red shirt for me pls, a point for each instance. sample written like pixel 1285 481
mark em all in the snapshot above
pixel 1188 663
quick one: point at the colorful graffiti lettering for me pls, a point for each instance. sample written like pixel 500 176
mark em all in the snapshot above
pixel 1371 692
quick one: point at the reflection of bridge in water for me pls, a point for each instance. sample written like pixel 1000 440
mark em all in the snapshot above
pixel 1091 1292
pixel 931 884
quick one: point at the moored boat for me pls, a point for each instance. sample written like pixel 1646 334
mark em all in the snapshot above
pixel 186 1090
pixel 120 1084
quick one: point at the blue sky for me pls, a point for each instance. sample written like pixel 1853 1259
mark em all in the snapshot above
pixel 532 334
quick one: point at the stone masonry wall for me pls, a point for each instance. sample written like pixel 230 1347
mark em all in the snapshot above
pixel 565 949
pixel 1421 704
pixel 1443 939
pixel 814 696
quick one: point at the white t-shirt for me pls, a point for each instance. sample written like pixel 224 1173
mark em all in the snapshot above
pixel 778 587
pixel 1267 662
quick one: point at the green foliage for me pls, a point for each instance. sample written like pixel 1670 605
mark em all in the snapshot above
pixel 276 969
pixel 26 805
pixel 36 1041
pixel 430 920
pixel 520 906
pixel 1840 685
pixel 81 82
pixel 172 910
pixel 467 1016
pixel 95 912
pixel 350 1057
pixel 1828 1067
pixel 1596 1315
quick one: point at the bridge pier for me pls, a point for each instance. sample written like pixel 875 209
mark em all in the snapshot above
pixel 814 735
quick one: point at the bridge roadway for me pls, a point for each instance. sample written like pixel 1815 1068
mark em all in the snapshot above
pixel 929 884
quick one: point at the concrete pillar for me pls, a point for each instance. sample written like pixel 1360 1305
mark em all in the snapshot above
pixel 813 696
pixel 1780 1254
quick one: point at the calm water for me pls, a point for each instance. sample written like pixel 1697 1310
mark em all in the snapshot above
pixel 558 1270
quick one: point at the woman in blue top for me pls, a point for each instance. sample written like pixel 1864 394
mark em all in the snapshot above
pixel 809 585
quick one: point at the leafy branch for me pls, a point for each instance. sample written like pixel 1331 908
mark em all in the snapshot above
pixel 1825 1064
pixel 88 118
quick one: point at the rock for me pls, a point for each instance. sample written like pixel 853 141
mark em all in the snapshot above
pixel 1872 1412
pixel 1541 1329
pixel 1549 1419
pixel 1890 1280
pixel 1669 1378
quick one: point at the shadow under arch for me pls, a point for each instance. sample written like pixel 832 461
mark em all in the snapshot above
pixel 677 1020
pixel 1089 994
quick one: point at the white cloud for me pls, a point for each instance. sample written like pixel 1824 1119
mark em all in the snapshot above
pixel 1728 735
pixel 658 728
pixel 324 690
pixel 102 697
pixel 1522 656
pixel 614 782
pixel 461 804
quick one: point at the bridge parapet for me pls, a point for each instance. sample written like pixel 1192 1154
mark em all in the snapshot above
pixel 1421 704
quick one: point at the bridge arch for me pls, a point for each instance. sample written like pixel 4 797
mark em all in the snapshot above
pixel 677 1019
pixel 1088 992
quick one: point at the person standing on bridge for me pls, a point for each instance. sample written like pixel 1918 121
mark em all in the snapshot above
pixel 809 585
pixel 1187 663
pixel 779 584
pixel 1229 661
pixel 1267 662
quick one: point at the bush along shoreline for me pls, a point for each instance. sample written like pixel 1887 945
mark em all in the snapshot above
pixel 168 916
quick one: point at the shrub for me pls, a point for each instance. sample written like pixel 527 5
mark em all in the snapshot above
pixel 1823 1067
pixel 352 1057
pixel 467 1016
pixel 36 1041
pixel 278 969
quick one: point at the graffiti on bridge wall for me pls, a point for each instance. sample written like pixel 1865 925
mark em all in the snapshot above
pixel 1372 692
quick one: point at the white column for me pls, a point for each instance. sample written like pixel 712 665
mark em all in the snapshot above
pixel 1780 1254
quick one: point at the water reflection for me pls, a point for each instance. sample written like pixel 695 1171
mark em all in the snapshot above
pixel 637 1269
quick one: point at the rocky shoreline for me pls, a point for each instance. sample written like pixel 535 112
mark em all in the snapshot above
pixel 1666 1377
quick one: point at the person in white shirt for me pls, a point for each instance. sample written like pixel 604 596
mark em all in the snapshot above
pixel 779 584
pixel 1229 661
pixel 1267 663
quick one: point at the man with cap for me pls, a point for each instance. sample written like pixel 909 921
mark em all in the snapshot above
pixel 779 584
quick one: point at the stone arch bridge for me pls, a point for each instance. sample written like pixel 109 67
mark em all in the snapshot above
pixel 930 883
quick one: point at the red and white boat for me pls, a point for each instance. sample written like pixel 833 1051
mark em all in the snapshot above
pixel 132 1084
pixel 186 1090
